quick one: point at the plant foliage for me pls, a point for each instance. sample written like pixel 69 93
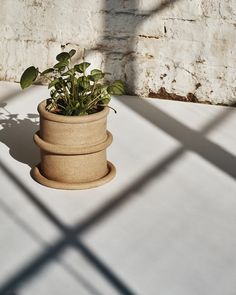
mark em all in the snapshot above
pixel 74 91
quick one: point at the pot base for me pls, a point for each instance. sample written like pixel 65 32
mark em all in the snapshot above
pixel 36 174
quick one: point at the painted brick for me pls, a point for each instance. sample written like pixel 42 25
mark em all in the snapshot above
pixel 187 46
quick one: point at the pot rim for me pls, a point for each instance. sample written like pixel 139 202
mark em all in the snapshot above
pixel 71 119
pixel 72 150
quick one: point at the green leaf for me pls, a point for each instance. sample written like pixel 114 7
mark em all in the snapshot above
pixel 63 56
pixel 104 88
pixel 50 70
pixel 105 101
pixel 81 68
pixel 83 113
pixel 116 88
pixel 68 111
pixel 96 75
pixel 83 82
pixel 72 52
pixel 91 78
pixel 95 72
pixel 53 83
pixel 61 65
pixel 70 72
pixel 28 77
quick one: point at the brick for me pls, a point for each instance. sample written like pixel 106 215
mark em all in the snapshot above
pixel 150 45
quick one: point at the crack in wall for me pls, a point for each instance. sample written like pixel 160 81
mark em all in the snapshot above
pixel 149 37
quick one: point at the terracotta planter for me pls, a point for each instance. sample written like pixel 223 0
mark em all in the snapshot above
pixel 73 150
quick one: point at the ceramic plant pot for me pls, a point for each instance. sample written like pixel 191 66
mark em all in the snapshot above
pixel 73 150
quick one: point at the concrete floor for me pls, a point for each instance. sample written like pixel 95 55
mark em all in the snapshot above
pixel 165 225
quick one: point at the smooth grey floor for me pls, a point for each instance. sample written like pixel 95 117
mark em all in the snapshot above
pixel 165 225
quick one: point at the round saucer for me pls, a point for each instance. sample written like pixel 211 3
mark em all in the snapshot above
pixel 36 174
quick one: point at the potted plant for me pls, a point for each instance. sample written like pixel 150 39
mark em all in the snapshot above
pixel 73 136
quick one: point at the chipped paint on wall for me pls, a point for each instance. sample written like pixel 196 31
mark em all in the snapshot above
pixel 181 46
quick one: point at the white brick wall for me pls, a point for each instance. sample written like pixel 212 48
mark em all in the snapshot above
pixel 186 47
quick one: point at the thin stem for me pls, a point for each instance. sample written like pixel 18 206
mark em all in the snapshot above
pixel 60 105
pixel 91 92
pixel 105 105
pixel 74 87
pixel 66 93
pixel 93 101
pixel 45 76
pixel 94 85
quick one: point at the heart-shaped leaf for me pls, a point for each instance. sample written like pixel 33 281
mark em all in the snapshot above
pixel 63 56
pixel 62 64
pixel 96 75
pixel 83 82
pixel 116 88
pixel 95 72
pixel 105 100
pixel 81 68
pixel 28 77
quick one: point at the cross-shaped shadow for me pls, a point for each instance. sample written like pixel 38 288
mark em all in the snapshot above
pixel 191 140
pixel 71 237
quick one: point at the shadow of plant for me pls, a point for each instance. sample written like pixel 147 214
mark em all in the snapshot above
pixel 17 134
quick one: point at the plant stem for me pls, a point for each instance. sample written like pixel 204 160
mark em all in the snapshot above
pixel 93 101
pixel 60 105
pixel 105 105
pixel 66 93
pixel 45 76
pixel 73 86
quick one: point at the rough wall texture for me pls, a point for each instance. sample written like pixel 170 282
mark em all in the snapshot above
pixel 178 48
